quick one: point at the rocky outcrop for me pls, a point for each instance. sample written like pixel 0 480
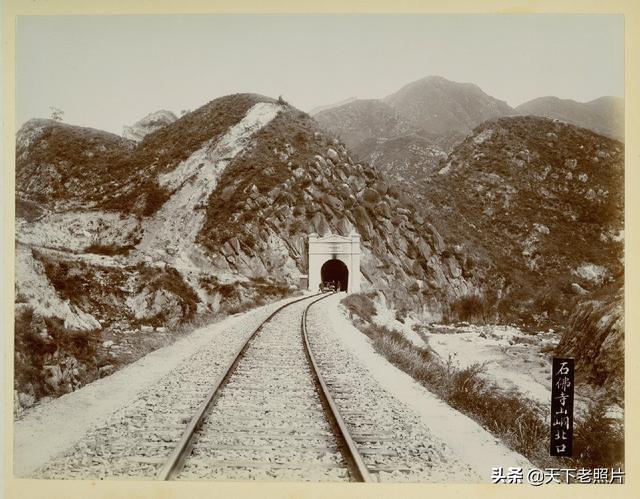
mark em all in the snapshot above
pixel 149 124
pixel 595 339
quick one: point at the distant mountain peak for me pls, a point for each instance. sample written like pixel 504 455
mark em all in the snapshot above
pixel 437 105
pixel 150 123
pixel 319 109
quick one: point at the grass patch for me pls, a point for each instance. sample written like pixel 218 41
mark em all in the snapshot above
pixel 360 304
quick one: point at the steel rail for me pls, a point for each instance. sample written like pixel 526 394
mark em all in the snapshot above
pixel 354 459
pixel 183 448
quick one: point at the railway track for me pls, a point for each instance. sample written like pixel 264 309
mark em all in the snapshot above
pixel 271 416
pixel 272 401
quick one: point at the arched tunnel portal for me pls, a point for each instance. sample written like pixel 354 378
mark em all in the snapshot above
pixel 335 271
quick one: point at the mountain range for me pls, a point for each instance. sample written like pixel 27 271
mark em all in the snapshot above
pixel 409 132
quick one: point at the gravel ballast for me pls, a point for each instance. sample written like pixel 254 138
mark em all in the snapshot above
pixel 462 451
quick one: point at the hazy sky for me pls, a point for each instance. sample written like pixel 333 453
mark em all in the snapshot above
pixel 109 71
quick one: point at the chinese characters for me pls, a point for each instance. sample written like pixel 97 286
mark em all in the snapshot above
pixel 562 407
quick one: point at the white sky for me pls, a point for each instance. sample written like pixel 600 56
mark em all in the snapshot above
pixel 109 71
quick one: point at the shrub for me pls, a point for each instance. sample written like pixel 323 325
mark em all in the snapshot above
pixel 108 249
pixel 469 308
pixel 171 281
pixel 598 441
pixel 156 197
pixel 360 304
pixel 28 210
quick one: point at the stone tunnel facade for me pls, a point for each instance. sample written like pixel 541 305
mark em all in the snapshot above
pixel 335 258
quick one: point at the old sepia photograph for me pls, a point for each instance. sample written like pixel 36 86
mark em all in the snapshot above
pixel 320 248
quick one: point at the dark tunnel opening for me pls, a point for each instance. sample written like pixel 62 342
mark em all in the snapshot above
pixel 335 271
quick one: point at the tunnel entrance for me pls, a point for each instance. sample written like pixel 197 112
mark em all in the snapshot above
pixel 334 258
pixel 335 271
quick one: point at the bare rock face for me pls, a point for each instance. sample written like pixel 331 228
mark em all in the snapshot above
pixel 159 304
pixel 149 124
pixel 596 340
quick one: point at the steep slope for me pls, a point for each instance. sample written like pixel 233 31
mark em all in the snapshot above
pixel 149 124
pixel 595 339
pixel 437 105
pixel 63 166
pixel 542 199
pixel 295 181
pixel 604 115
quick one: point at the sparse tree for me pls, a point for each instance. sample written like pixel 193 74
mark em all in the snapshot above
pixel 56 113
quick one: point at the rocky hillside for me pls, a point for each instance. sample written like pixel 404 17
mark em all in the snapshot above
pixel 604 115
pixel 148 124
pixel 294 180
pixel 595 338
pixel 60 162
pixel 207 214
pixel 544 201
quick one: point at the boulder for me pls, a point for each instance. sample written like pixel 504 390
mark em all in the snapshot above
pixel 106 370
pixel 357 183
pixel 344 226
pixel 53 376
pixel 363 222
pixel 577 289
pixel 382 187
pixel 333 202
pixel 454 268
pixel 436 239
pixel 320 225
pixel 322 163
pixel 382 209
pixel 369 196
pixel 424 249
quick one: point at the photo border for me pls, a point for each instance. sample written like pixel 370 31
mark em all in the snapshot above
pixel 23 488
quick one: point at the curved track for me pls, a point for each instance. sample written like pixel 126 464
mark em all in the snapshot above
pixel 270 416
